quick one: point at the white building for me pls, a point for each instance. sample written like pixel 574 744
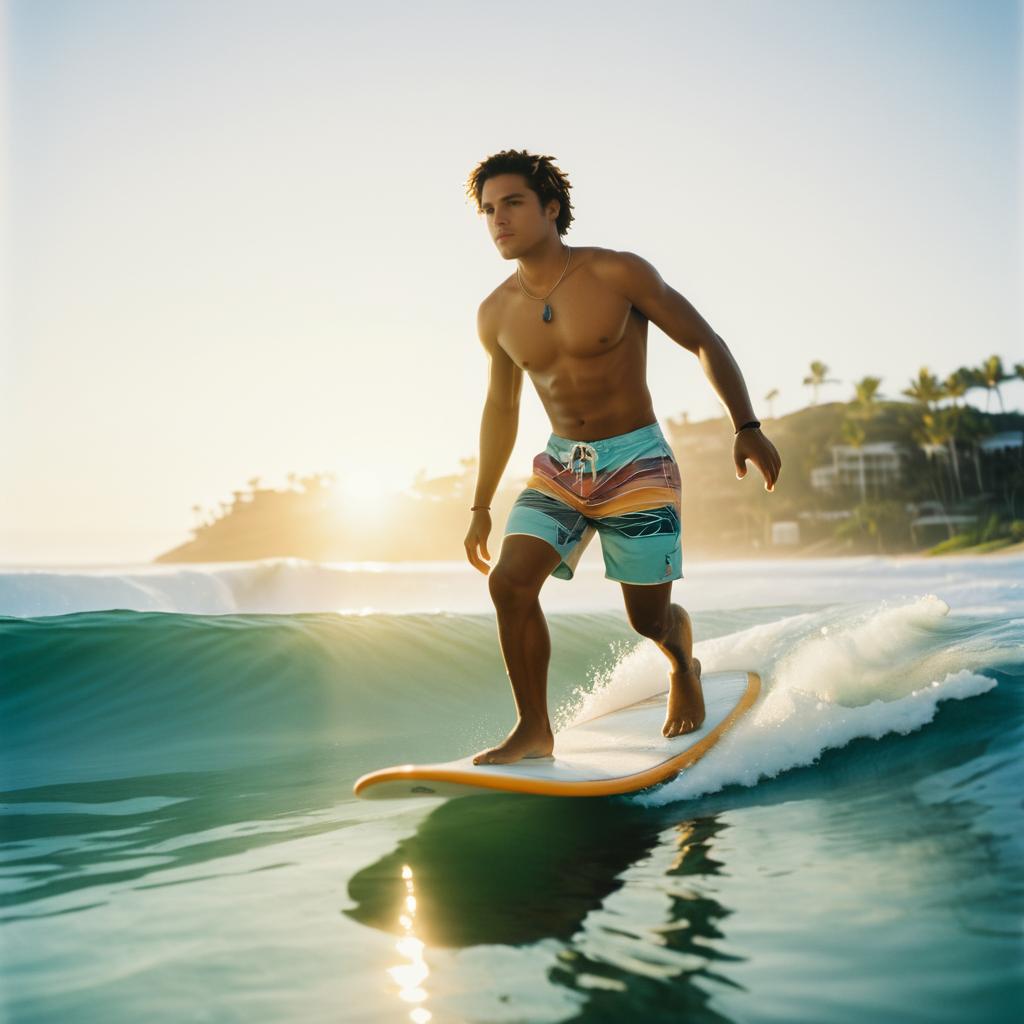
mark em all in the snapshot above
pixel 868 468
pixel 786 533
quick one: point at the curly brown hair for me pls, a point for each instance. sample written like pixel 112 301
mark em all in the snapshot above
pixel 542 176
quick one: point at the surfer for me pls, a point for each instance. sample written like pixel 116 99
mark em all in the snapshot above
pixel 575 319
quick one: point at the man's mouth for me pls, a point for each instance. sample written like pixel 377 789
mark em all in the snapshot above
pixel 508 234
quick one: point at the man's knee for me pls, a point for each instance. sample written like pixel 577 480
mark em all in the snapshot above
pixel 653 625
pixel 510 584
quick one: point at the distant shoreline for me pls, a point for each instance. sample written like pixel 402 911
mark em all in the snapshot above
pixel 976 551
pixel 777 555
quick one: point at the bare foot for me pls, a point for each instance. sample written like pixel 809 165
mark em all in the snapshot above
pixel 685 711
pixel 523 741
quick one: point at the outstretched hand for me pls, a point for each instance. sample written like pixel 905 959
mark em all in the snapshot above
pixel 752 444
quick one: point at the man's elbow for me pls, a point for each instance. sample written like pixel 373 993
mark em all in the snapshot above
pixel 708 343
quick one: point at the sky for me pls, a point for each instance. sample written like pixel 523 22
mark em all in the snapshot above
pixel 237 245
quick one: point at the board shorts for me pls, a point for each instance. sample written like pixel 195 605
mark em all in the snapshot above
pixel 626 488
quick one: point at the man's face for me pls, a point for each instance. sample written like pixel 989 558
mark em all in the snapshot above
pixel 513 213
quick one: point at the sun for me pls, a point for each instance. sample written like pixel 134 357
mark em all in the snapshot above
pixel 360 490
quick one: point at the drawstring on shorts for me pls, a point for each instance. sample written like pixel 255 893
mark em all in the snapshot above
pixel 588 454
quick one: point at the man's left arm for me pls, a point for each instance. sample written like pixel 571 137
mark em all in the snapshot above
pixel 644 287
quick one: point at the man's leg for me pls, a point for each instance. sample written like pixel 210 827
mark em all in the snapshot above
pixel 652 614
pixel 515 582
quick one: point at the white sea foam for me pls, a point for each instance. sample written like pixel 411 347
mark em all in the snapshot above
pixel 766 745
pixel 827 678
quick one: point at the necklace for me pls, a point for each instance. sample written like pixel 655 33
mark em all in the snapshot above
pixel 547 314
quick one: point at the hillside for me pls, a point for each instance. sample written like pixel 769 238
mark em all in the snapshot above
pixel 722 517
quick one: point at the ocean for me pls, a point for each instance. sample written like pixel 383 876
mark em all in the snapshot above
pixel 180 841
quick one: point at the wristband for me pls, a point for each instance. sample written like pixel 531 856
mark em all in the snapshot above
pixel 476 507
pixel 752 423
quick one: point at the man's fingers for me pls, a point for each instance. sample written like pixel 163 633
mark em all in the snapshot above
pixel 474 559
pixel 771 473
pixel 765 459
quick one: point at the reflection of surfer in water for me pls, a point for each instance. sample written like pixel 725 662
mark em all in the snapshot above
pixel 576 321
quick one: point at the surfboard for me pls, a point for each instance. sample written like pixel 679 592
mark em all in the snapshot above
pixel 617 752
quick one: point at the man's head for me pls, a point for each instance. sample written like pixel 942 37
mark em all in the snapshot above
pixel 525 198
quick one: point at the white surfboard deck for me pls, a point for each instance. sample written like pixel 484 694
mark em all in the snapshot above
pixel 618 752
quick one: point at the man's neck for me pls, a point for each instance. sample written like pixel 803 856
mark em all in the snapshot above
pixel 541 267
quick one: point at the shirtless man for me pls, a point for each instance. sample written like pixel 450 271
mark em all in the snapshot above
pixel 575 319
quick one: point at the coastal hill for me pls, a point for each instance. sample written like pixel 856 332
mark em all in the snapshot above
pixel 857 477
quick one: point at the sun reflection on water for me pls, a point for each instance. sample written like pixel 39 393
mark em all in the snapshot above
pixel 410 976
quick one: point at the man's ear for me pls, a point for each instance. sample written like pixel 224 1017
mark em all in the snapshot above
pixel 557 206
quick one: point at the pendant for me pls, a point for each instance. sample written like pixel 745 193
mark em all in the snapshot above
pixel 547 314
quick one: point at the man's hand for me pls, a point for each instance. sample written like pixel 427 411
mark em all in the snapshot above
pixel 752 444
pixel 479 531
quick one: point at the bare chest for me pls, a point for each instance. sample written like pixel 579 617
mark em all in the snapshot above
pixel 586 324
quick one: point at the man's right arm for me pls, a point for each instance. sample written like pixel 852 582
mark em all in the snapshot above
pixel 500 422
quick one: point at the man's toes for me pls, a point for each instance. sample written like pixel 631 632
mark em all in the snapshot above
pixel 678 727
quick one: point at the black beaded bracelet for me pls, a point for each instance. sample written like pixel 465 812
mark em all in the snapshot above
pixel 752 423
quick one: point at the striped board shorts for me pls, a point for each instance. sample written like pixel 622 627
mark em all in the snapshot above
pixel 626 488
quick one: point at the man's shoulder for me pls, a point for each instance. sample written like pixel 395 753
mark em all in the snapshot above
pixel 612 261
pixel 619 269
pixel 488 314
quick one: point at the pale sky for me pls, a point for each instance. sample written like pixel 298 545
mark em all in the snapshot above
pixel 237 244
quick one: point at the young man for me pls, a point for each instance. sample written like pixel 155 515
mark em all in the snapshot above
pixel 575 320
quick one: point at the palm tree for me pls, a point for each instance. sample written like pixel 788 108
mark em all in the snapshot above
pixel 932 435
pixel 819 376
pixel 973 427
pixel 866 395
pixel 955 386
pixel 926 389
pixel 854 435
pixel 770 398
pixel 992 372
